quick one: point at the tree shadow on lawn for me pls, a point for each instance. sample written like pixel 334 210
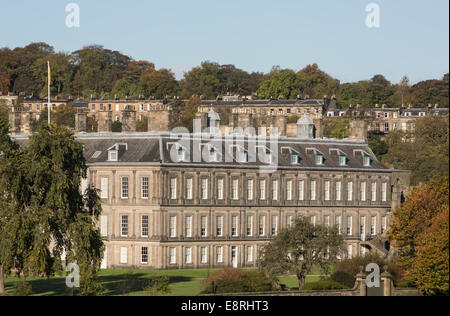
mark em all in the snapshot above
pixel 126 284
pixel 122 284
pixel 55 286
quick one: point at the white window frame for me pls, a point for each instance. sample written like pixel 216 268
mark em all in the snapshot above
pixel 249 253
pixel 219 226
pixel 173 188
pixel 338 190
pixel 262 225
pixel 289 194
pixel 188 226
pixel 172 255
pixel 235 189
pixel 204 188
pixel 123 255
pixel 124 226
pixel 327 185
pixel 189 188
pixel 350 191
pixel 220 186
pixel 249 189
pixel 124 188
pixel 203 226
pixel 188 255
pixel 249 227
pixel 203 255
pixel 172 226
pixel 145 188
pixel 363 191
pixel 144 255
pixel 312 190
pixel 374 191
pixel 144 225
pixel 275 190
pixel 219 254
pixel 384 192
pixel 262 190
pixel 301 190
pixel 234 226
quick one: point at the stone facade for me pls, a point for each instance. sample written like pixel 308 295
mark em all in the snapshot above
pixel 164 214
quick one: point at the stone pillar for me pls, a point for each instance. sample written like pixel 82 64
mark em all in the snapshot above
pixel 129 121
pixel 80 122
pixel 386 277
pixel 104 121
pixel 358 129
pixel 361 282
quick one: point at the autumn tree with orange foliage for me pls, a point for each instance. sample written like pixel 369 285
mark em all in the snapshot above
pixel 420 232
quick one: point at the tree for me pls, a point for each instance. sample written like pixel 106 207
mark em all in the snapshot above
pixel 279 83
pixel 142 124
pixel 299 248
pixel 424 151
pixel 335 127
pixel 431 268
pixel 64 115
pixel 203 80
pixel 420 233
pixel 159 84
pixel 43 213
pixel 315 83
pixel 123 89
pixel 4 111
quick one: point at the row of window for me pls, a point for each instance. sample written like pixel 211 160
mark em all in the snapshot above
pixel 329 188
pixel 249 225
pixel 204 257
pixel 172 253
pixel 289 190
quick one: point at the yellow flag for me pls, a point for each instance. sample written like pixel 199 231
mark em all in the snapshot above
pixel 49 73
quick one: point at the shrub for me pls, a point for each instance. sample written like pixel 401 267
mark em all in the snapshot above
pixel 323 285
pixel 343 278
pixel 22 288
pixel 352 266
pixel 226 286
pixel 158 286
pixel 237 281
pixel 256 281
pixel 116 127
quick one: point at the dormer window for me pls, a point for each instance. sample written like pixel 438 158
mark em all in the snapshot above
pixel 242 155
pixel 181 154
pixel 367 161
pixel 113 155
pixel 318 159
pixel 295 159
pixel 342 160
pixel 214 155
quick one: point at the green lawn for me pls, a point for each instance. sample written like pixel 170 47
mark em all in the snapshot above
pixel 132 282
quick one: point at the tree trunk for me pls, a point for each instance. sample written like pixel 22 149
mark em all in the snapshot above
pixel 301 280
pixel 2 285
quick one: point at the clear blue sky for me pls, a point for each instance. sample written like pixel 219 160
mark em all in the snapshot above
pixel 254 35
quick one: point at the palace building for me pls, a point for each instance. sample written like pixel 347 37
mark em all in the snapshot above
pixel 166 207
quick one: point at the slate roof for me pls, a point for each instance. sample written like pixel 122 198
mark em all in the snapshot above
pixel 265 103
pixel 154 148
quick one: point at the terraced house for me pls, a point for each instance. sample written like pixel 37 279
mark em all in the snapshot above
pixel 164 208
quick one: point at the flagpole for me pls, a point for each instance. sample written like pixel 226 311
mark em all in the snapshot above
pixel 48 108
